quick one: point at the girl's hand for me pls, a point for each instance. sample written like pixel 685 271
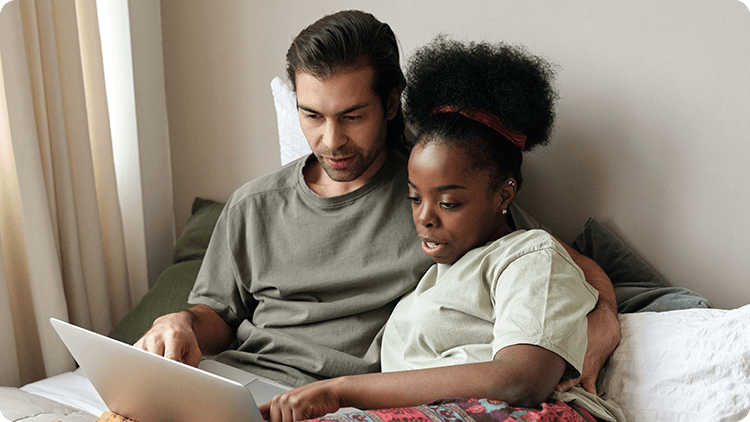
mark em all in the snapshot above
pixel 310 401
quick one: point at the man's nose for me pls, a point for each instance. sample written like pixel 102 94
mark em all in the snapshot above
pixel 334 136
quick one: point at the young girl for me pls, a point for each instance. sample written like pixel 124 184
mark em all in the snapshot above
pixel 503 313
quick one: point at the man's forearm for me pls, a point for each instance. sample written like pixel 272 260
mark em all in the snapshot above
pixel 604 316
pixel 597 278
pixel 601 282
pixel 603 325
pixel 213 333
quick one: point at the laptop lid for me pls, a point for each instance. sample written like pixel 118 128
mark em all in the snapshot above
pixel 149 388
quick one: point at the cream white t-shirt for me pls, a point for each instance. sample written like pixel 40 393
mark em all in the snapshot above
pixel 523 288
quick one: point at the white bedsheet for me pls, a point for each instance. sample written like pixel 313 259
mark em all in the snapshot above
pixel 71 388
pixel 688 365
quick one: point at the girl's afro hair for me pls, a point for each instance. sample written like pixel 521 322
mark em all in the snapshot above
pixel 506 80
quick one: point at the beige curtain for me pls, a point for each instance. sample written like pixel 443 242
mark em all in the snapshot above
pixel 62 251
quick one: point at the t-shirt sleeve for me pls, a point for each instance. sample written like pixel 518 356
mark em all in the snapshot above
pixel 542 299
pixel 217 283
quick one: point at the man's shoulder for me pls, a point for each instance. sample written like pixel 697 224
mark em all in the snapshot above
pixel 522 219
pixel 278 182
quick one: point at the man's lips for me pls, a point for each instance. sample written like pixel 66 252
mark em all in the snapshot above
pixel 340 163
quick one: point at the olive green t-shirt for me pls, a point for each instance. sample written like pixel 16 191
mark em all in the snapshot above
pixel 309 281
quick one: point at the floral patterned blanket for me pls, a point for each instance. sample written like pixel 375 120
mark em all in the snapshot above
pixel 469 410
pixel 450 410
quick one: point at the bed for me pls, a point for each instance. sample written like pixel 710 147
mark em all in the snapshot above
pixel 679 359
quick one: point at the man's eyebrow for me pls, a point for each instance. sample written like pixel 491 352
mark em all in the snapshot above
pixel 439 188
pixel 340 113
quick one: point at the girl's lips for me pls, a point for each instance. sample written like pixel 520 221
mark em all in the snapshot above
pixel 432 248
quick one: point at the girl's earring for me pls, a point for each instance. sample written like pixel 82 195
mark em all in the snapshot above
pixel 512 183
pixel 505 211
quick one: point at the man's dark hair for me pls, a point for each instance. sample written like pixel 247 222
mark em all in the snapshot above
pixel 345 40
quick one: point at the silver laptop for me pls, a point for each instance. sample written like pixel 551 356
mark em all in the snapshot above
pixel 146 387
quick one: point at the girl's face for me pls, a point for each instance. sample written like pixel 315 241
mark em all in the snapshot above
pixel 453 207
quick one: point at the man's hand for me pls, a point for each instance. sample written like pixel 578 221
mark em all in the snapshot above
pixel 310 401
pixel 600 346
pixel 603 325
pixel 182 336
pixel 172 336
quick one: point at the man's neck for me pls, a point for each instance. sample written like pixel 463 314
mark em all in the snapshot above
pixel 319 181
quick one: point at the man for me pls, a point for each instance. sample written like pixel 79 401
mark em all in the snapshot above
pixel 306 264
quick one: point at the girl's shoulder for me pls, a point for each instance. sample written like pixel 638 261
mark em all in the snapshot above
pixel 527 240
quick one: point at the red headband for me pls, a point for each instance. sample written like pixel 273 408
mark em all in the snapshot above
pixel 490 120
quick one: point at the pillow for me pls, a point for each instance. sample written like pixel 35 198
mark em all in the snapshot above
pixel 171 290
pixel 637 287
pixel 194 239
pixel 169 294
pixel 685 365
pixel 292 142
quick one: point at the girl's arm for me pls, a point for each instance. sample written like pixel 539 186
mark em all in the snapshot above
pixel 520 375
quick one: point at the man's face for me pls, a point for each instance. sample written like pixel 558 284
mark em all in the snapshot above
pixel 344 122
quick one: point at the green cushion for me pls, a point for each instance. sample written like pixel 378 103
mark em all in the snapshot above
pixel 193 241
pixel 169 294
pixel 171 290
pixel 637 286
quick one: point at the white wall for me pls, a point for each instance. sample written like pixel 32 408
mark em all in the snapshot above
pixel 653 128
pixel 219 60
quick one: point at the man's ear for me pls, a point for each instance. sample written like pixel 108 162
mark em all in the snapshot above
pixel 393 103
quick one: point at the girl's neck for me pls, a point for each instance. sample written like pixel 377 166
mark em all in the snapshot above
pixel 503 229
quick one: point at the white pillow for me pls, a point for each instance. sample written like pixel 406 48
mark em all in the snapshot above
pixel 292 142
pixel 686 365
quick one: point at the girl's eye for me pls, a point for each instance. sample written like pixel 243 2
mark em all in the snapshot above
pixel 448 205
pixel 414 199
